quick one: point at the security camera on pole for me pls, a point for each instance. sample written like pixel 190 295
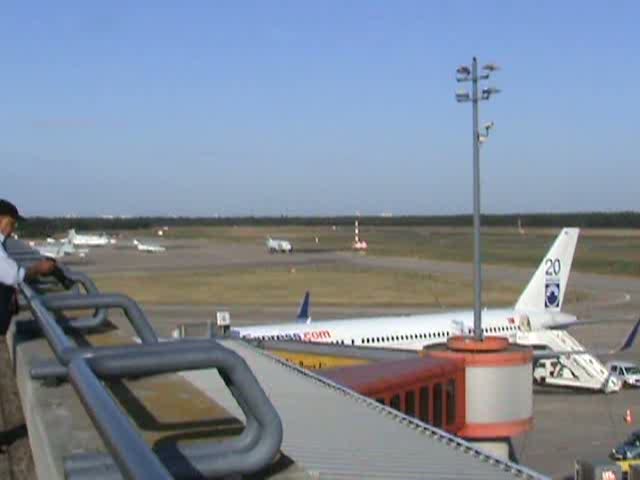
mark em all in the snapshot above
pixel 466 74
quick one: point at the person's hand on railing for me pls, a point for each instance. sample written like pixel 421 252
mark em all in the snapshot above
pixel 41 268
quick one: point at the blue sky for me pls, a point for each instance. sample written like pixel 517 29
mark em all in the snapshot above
pixel 327 107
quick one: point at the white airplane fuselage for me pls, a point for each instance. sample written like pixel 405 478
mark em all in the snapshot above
pixel 87 240
pixel 411 332
pixel 151 248
pixel 148 248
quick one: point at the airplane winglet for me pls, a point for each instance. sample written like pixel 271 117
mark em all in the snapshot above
pixel 628 342
pixel 303 313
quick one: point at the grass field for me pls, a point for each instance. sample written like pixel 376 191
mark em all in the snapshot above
pixel 599 251
pixel 330 286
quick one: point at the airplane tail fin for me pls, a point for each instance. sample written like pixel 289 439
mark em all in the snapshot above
pixel 548 285
pixel 303 313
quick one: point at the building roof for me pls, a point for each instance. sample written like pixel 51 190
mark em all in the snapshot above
pixel 338 434
pixel 393 374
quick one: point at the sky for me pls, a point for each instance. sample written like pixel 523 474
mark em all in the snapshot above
pixel 315 107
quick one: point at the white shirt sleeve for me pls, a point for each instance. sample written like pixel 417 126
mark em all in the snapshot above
pixel 10 273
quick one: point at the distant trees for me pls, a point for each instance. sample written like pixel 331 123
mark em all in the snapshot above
pixel 46 226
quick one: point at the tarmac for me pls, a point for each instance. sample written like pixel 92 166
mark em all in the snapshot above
pixel 568 424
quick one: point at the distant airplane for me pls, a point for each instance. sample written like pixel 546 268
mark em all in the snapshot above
pixel 279 246
pixel 148 248
pixel 87 240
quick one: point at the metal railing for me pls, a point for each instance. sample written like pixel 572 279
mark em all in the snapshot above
pixel 253 449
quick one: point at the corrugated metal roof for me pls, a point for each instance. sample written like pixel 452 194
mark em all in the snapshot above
pixel 337 434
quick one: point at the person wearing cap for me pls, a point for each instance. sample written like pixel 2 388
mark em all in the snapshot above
pixel 10 273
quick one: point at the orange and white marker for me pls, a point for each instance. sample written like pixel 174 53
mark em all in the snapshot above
pixel 627 416
pixel 358 244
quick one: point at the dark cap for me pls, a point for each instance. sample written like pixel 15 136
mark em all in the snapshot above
pixel 8 209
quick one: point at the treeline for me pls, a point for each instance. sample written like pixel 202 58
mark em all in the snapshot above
pixel 45 226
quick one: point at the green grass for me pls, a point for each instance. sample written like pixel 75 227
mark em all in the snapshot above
pixel 330 286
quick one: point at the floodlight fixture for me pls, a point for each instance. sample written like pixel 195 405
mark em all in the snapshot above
pixel 488 91
pixel 491 67
pixel 462 96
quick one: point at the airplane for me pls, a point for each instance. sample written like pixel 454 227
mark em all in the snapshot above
pixel 58 250
pixel 148 248
pixel 87 240
pixel 539 307
pixel 279 246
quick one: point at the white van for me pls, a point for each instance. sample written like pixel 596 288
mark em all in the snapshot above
pixel 628 372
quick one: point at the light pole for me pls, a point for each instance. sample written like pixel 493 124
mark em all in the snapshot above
pixel 466 74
